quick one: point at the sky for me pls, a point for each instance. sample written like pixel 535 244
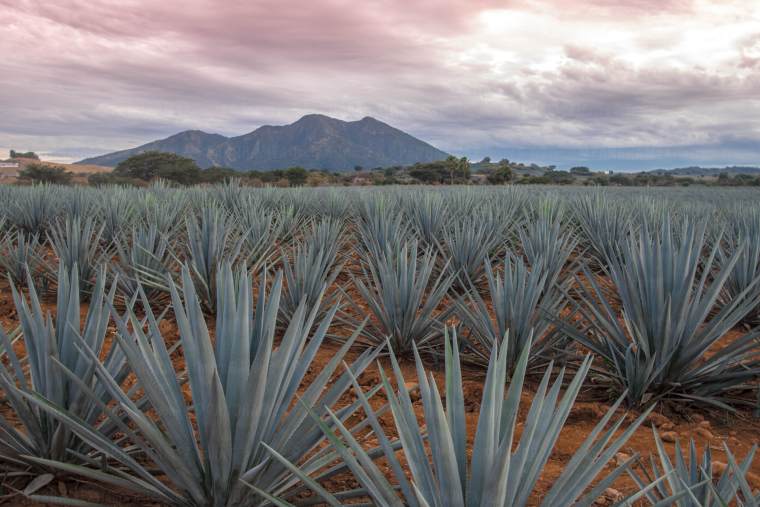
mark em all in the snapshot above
pixel 612 84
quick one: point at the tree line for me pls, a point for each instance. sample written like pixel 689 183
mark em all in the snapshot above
pixel 141 169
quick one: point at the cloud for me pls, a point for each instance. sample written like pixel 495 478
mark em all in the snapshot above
pixel 538 78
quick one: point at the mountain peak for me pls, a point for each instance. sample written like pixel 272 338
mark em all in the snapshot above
pixel 194 134
pixel 314 117
pixel 315 141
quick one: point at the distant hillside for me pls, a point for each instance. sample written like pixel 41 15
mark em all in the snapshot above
pixel 192 143
pixel 10 168
pixel 697 171
pixel 313 142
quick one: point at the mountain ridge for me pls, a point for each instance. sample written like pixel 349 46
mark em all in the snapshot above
pixel 315 141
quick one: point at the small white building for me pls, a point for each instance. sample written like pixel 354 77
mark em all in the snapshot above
pixel 9 170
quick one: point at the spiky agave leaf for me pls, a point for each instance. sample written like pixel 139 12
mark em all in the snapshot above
pixel 117 211
pixel 244 391
pixel 33 208
pixel 546 245
pixel 332 204
pixel 429 215
pixel 403 295
pixel 521 305
pixel 230 193
pixel 311 268
pixel 20 253
pixel 749 497
pixel 212 239
pixel 605 223
pixel 656 345
pixel 78 202
pixel 262 228
pixel 743 238
pixel 382 229
pixel 77 242
pixel 147 258
pixel 691 481
pixel 467 244
pixel 495 474
pixel 161 210
pixel 48 344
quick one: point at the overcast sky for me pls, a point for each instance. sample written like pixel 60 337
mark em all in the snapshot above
pixel 656 83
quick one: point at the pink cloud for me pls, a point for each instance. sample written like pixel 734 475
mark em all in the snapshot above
pixel 468 75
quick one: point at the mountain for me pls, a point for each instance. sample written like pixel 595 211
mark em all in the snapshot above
pixel 192 143
pixel 313 142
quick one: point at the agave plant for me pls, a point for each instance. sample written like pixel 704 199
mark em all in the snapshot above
pixel 118 212
pixel 211 240
pixel 694 482
pixel 229 193
pixel 604 223
pixel 403 296
pixel 381 230
pixel 656 346
pixel 77 202
pixel 429 214
pixel 77 242
pixel 467 244
pixel 146 260
pixel 20 254
pixel 521 304
pixel 744 241
pixel 333 205
pixel 33 209
pixel 244 391
pixel 313 269
pixel 51 346
pixel 546 246
pixel 496 473
pixel 262 231
pixel 164 212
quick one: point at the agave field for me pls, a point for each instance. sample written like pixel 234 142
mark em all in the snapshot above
pixel 422 346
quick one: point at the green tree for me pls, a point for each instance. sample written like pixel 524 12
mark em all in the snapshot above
pixel 155 164
pixel 560 177
pixel 463 169
pixel 296 176
pixel 431 172
pixel 502 174
pixel 390 172
pixel 458 169
pixel 28 154
pixel 44 173
pixel 451 164
pixel 620 179
pixel 580 171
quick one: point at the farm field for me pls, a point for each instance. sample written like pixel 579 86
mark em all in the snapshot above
pixel 228 345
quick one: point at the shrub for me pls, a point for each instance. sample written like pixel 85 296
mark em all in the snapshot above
pixel 46 173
